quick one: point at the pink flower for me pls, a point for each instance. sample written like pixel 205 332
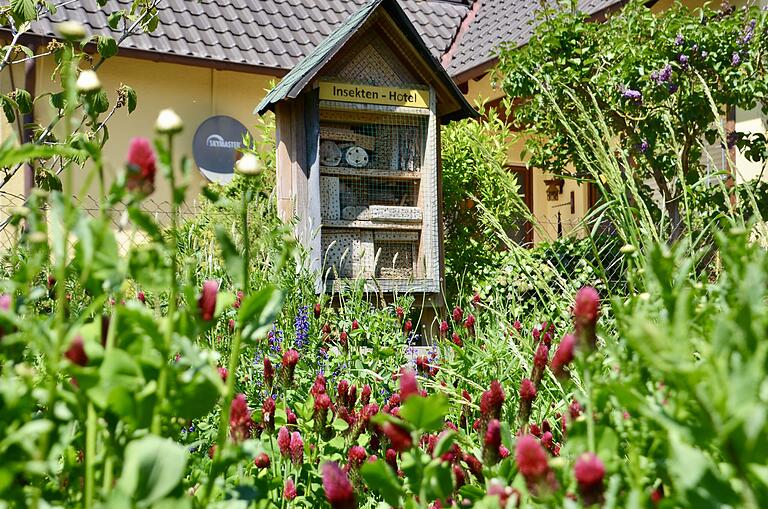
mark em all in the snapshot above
pixel 399 437
pixel 390 456
pixel 408 384
pixel 231 325
pixel 492 442
pixel 474 465
pixel 289 492
pixel 141 166
pixel 284 441
pixel 269 372
pixel 268 412
pixel 399 312
pixel 261 461
pixel 587 304
pixel 527 390
pixel 297 448
pixel 365 395
pixel 541 357
pixel 517 325
pixel 469 323
pixel 338 490
pixel 563 356
pixel 457 314
pixel 355 325
pixel 443 327
pixel 589 472
pixel 240 423
pixel 223 373
pixel 476 298
pixel 319 386
pixel 290 417
pixel 141 297
pixel 408 327
pixel 356 456
pixel 290 359
pixel 548 441
pixel 76 352
pixel 503 452
pixel 491 401
pixel 531 459
pixel 207 301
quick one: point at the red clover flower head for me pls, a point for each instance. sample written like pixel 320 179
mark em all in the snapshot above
pixel 338 490
pixel 289 491
pixel 527 390
pixel 76 352
pixel 564 355
pixel 531 459
pixel 240 422
pixel 207 301
pixel 297 448
pixel 589 472
pixel 284 441
pixel 408 384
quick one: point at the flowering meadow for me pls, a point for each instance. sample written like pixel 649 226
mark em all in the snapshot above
pixel 197 367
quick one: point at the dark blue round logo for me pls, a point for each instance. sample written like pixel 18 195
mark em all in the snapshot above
pixel 216 145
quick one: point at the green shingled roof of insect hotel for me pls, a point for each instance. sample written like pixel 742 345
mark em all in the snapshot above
pixel 320 54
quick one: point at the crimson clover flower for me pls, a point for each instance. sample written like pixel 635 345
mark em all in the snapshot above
pixel 356 456
pixel 563 356
pixel 491 402
pixel 289 491
pixel 141 166
pixel 399 437
pixel 589 472
pixel 269 373
pixel 284 441
pixel 492 442
pixel 408 384
pixel 297 448
pixel 458 314
pixel 527 390
pixel 261 460
pixel 290 359
pixel 76 352
pixel 240 422
pixel 531 459
pixel 207 301
pixel 338 490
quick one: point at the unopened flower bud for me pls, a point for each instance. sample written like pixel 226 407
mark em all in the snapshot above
pixel 168 122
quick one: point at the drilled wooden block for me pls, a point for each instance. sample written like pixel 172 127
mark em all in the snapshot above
pixel 329 198
pixel 394 213
pixel 363 263
pixel 353 213
pixel 338 254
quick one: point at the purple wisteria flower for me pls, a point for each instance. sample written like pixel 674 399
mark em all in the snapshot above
pixel 663 75
pixel 679 40
pixel 735 59
pixel 749 32
pixel 634 95
pixel 683 59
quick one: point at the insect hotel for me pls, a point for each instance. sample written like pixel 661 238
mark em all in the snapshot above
pixel 358 153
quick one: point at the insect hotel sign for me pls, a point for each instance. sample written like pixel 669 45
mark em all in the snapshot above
pixel 358 153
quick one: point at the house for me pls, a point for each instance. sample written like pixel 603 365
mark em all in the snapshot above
pixel 219 57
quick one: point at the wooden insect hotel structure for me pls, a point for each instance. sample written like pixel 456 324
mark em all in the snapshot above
pixel 358 153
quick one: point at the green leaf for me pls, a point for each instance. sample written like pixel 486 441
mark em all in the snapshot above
pixel 258 311
pixel 444 444
pixel 438 480
pixel 23 10
pixel 130 98
pixel 153 468
pixel 114 19
pixel 381 479
pixel 23 100
pixel 426 414
pixel 106 46
pixel 10 114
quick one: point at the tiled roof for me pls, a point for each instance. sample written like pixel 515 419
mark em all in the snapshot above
pixel 503 21
pixel 265 33
pixel 278 34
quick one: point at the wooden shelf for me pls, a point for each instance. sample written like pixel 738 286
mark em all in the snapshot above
pixel 344 171
pixel 372 225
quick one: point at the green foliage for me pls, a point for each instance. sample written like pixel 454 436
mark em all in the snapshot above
pixel 657 86
pixel 474 157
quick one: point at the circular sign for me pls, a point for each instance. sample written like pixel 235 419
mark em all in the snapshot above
pixel 216 145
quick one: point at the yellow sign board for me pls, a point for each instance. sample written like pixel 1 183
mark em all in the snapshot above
pixel 366 94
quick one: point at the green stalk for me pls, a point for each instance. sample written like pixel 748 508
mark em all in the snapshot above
pixel 90 453
pixel 234 356
pixel 162 380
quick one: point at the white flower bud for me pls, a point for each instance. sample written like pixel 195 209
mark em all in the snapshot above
pixel 88 82
pixel 168 122
pixel 71 30
pixel 249 165
pixel 627 249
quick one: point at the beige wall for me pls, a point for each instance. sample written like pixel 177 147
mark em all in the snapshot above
pixel 195 93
